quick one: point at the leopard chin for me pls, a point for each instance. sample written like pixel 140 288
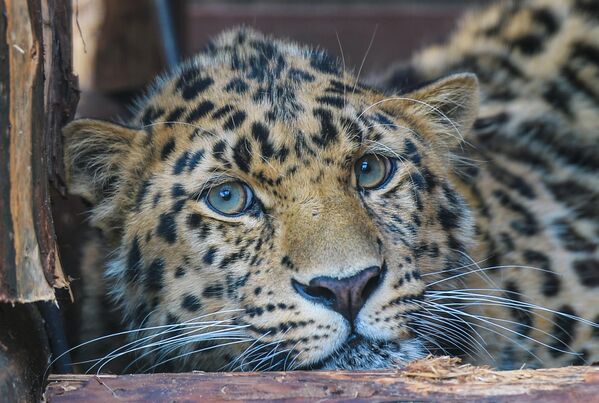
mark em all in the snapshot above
pixel 361 353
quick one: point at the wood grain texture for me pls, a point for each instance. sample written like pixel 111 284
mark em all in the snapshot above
pixel 481 385
pixel 37 97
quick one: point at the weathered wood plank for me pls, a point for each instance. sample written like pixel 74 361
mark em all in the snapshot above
pixel 37 97
pixel 429 380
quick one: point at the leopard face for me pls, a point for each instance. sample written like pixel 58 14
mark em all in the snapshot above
pixel 269 212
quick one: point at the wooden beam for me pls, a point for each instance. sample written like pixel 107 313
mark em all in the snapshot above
pixel 37 97
pixel 439 379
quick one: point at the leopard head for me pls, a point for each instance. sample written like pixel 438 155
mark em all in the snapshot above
pixel 262 189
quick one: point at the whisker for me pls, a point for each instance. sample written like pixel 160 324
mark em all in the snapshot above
pixel 488 320
pixel 527 304
pixel 482 270
pixel 112 356
pixel 376 27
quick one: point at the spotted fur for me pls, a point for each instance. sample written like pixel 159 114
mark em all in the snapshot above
pixel 518 191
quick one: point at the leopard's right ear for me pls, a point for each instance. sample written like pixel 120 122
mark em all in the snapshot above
pixel 94 155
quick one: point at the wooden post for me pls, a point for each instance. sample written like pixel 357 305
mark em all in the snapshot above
pixel 37 97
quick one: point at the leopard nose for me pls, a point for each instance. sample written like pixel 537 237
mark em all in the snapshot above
pixel 343 295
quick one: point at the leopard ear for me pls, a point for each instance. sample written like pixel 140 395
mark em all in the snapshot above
pixel 94 155
pixel 449 106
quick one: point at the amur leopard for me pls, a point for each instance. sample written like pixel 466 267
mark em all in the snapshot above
pixel 267 210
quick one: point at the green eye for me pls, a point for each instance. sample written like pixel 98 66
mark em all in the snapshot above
pixel 372 171
pixel 229 198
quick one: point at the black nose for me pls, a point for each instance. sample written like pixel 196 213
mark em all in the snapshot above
pixel 344 295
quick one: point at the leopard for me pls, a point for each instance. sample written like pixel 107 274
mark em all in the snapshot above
pixel 266 209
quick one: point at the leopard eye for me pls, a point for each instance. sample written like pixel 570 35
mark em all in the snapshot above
pixel 230 198
pixel 373 171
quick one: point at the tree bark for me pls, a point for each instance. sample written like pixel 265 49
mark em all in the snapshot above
pixel 37 97
pixel 432 381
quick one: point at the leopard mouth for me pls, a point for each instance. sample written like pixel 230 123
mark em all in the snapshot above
pixel 361 353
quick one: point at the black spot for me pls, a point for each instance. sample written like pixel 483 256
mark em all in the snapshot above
pixel 193 89
pixel 328 131
pixel 141 193
pixel 179 271
pixel 221 112
pixel 589 8
pixel 218 151
pixel 200 111
pixel 299 75
pixel 353 130
pixel 237 85
pixel 507 241
pixel 213 291
pixel 546 18
pixel 448 218
pixel 151 114
pixel 488 125
pixel 257 290
pixel 340 88
pixel 141 313
pixel 209 255
pixel 579 84
pixel 336 102
pixel 286 261
pixel 527 224
pixel 154 280
pixel 194 220
pixel 431 181
pixel 133 261
pixel 174 116
pixel 156 199
pixel 234 120
pixel 583 201
pixel 194 160
pixel 254 311
pixel 178 190
pixel 510 180
pixel 261 134
pixel 167 149
pixel 229 259
pixel 563 330
pixel 181 163
pixel 411 152
pixel 558 97
pixel 191 303
pixel 587 271
pixel 242 154
pixel 418 180
pixel 528 44
pixel 551 283
pixel 571 239
pixel 521 315
pixel 167 227
pixel 323 63
pixel 589 53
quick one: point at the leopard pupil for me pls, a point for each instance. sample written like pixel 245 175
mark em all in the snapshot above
pixel 225 194
pixel 365 168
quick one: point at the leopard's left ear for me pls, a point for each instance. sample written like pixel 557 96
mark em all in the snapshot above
pixel 95 153
pixel 448 105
